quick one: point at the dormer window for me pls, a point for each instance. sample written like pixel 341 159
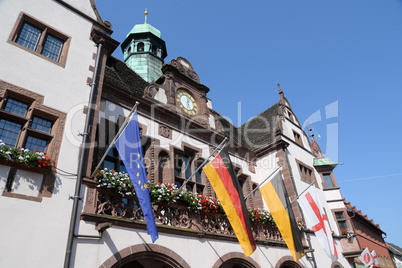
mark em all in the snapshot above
pixel 298 139
pixel 290 115
pixel 140 47
pixel 306 173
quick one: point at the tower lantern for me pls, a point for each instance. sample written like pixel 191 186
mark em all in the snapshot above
pixel 144 50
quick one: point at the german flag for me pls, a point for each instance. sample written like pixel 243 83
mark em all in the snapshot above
pixel 276 197
pixel 227 188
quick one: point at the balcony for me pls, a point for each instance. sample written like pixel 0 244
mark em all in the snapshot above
pixel 103 205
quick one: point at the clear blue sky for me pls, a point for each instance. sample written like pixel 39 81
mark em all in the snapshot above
pixel 341 59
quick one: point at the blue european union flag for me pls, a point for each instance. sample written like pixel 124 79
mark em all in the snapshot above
pixel 129 147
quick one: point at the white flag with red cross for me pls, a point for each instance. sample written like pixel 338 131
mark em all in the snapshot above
pixel 375 258
pixel 316 219
pixel 366 257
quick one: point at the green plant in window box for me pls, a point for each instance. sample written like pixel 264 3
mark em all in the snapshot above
pixel 210 204
pixel 26 157
pixel 300 224
pixel 348 233
pixel 163 193
pixel 260 215
pixel 191 200
pixel 117 181
pixel 167 194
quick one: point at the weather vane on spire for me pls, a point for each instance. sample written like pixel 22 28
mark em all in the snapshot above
pixel 312 131
pixel 146 16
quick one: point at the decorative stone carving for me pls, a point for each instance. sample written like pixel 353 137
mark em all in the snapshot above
pixel 152 165
pixel 218 126
pixel 185 68
pixel 38 98
pixel 165 131
pixel 2 92
pixel 251 167
pixel 150 91
pixel 90 196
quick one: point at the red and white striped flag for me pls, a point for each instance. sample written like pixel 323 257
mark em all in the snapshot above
pixel 316 219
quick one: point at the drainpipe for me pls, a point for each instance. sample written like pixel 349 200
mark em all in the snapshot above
pixel 312 258
pixel 85 137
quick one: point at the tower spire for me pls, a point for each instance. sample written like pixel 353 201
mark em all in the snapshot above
pixel 146 16
pixel 280 91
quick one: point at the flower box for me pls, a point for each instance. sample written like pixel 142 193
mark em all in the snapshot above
pixel 23 158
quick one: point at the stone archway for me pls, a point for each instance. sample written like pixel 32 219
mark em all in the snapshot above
pixel 287 262
pixel 145 255
pixel 235 260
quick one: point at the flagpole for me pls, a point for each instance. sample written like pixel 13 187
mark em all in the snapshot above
pixel 297 197
pixel 203 163
pixel 259 185
pixel 123 126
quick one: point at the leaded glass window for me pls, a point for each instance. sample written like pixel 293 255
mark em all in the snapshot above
pixel 41 39
pixel 41 124
pixel 52 47
pixel 9 132
pixel 16 107
pixel 36 144
pixel 29 36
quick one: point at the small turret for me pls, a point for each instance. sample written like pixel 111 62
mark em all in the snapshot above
pixel 144 50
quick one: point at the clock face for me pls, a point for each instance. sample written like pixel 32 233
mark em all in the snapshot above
pixel 186 102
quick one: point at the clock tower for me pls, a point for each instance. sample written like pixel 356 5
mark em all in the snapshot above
pixel 180 91
pixel 186 102
pixel 144 51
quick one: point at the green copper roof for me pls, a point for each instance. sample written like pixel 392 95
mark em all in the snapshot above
pixel 324 162
pixel 145 28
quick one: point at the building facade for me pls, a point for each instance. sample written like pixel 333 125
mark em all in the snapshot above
pixel 368 235
pixel 48 61
pixel 69 98
pixel 396 253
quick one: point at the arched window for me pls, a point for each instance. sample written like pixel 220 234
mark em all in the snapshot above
pixel 140 47
pixel 185 164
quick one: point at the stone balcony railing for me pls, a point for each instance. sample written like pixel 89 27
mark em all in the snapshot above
pixel 111 207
